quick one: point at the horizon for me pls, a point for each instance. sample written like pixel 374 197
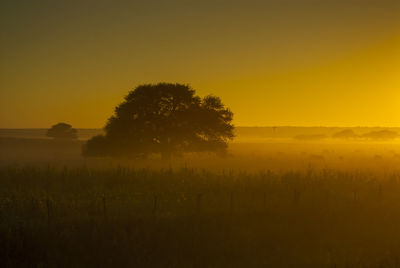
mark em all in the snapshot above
pixel 241 126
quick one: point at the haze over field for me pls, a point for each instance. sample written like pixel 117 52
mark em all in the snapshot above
pixel 243 134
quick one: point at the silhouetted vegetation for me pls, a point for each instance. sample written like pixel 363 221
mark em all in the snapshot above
pixel 164 119
pixel 125 217
pixel 345 134
pixel 381 135
pixel 276 204
pixel 62 131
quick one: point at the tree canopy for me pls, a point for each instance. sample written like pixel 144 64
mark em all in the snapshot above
pixel 62 131
pixel 166 119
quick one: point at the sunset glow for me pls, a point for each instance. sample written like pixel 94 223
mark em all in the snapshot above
pixel 333 63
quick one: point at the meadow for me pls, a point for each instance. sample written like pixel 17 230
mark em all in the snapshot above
pixel 276 203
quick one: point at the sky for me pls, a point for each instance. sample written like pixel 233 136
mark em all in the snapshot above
pixel 272 62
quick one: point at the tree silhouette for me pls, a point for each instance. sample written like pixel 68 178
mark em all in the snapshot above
pixel 62 131
pixel 381 135
pixel 165 119
pixel 345 134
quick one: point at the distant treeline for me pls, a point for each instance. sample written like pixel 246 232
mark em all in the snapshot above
pixel 350 134
pixel 40 133
pixel 241 132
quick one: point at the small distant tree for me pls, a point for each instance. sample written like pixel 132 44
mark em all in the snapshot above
pixel 62 131
pixel 345 134
pixel 165 119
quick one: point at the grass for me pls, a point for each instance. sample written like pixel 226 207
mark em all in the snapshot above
pixel 124 217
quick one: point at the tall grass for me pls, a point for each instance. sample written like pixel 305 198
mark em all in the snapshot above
pixel 124 217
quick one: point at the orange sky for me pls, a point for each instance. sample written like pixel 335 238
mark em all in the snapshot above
pixel 286 62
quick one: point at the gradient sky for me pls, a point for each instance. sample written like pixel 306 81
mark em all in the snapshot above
pixel 273 62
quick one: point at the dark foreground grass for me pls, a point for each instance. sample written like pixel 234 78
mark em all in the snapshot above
pixel 191 218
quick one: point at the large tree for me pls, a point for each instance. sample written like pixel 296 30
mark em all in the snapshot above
pixel 166 119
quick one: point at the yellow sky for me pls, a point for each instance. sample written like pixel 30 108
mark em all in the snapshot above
pixel 320 62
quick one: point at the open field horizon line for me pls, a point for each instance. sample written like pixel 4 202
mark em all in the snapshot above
pixel 269 126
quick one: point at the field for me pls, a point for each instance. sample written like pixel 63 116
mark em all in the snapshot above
pixel 278 202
